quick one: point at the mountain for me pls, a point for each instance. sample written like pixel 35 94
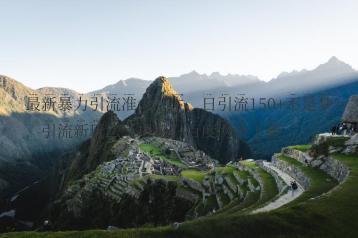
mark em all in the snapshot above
pixel 193 86
pixel 119 165
pixel 332 73
pixel 126 86
pixel 12 95
pixel 22 132
pixel 268 130
pixel 185 84
pixel 191 82
pixel 131 172
pixel 163 113
pixel 121 90
pixel 31 141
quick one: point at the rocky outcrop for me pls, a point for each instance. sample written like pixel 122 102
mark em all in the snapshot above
pixel 298 155
pixel 351 145
pixel 331 166
pixel 163 113
pixel 192 184
pixel 334 168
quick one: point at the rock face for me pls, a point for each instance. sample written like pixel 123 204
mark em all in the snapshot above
pixel 94 151
pixel 350 114
pixel 164 136
pixel 163 113
pixel 293 171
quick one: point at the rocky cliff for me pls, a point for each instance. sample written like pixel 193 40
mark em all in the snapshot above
pixel 162 112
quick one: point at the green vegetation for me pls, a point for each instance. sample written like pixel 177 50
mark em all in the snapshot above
pixel 225 170
pixel 316 213
pixel 322 148
pixel 303 148
pixel 123 233
pixel 320 182
pixel 269 190
pixel 163 177
pixel 153 150
pixel 249 164
pixel 194 174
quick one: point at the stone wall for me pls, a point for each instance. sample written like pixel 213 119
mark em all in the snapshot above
pixel 329 165
pixel 192 184
pixel 296 154
pixel 293 171
pixel 333 167
pixel 281 185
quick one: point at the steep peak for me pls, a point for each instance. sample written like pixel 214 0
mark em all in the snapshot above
pixel 336 64
pixel 192 73
pixel 215 75
pixel 106 124
pixel 161 95
pixel 162 87
pixel 333 59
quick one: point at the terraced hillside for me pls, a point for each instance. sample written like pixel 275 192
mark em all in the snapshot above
pixel 190 184
pixel 245 199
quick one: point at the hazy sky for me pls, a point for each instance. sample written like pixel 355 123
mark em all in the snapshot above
pixel 87 44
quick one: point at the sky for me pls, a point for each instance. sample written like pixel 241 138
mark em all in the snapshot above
pixel 88 44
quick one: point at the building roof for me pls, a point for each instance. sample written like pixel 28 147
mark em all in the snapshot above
pixel 351 112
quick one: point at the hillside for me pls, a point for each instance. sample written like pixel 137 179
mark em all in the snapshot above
pixel 122 158
pixel 31 140
pixel 311 114
pixel 324 208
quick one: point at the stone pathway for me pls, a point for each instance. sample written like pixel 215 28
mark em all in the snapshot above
pixel 284 199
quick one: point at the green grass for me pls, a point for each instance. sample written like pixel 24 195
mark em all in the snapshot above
pixel 163 177
pixel 123 233
pixel 320 182
pixel 269 191
pixel 303 148
pixel 225 170
pixel 249 164
pixel 194 174
pixel 209 206
pixel 250 200
pixel 243 174
pixel 156 151
pixel 323 148
pixel 331 215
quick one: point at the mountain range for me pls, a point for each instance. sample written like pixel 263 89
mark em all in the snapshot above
pixel 25 149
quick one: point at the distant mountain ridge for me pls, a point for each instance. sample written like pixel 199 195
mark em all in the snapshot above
pixel 193 85
pixel 26 151
pixel 26 136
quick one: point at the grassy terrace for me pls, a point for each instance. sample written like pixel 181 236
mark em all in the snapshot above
pixel 320 181
pixel 253 199
pixel 194 174
pixel 331 215
pixel 156 151
pixel 269 190
pixel 225 170
pixel 236 207
pixel 303 148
